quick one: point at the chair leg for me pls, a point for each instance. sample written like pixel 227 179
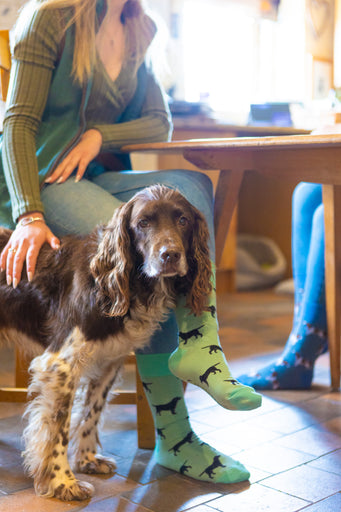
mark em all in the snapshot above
pixel 145 422
pixel 21 370
pixel 332 219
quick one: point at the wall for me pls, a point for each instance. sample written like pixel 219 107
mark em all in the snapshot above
pixel 337 46
pixel 8 12
pixel 319 29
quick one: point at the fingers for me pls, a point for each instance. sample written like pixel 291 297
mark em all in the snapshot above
pixel 14 264
pixel 7 261
pixel 3 257
pixel 16 257
pixel 83 164
pixel 31 261
pixel 66 168
pixel 63 171
pixel 79 157
pixel 24 246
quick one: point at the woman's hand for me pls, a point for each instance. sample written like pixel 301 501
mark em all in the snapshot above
pixel 24 245
pixel 79 157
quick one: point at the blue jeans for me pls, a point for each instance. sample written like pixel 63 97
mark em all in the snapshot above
pixel 307 229
pixel 78 207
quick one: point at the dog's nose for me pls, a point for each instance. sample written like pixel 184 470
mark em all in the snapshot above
pixel 169 255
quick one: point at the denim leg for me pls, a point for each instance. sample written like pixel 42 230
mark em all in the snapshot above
pixel 77 207
pixel 306 198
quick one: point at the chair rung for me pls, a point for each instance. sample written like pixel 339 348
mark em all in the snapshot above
pixel 13 394
pixel 123 397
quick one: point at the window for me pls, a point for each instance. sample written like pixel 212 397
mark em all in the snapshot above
pixel 225 53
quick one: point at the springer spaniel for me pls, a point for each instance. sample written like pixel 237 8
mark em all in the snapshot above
pixel 91 303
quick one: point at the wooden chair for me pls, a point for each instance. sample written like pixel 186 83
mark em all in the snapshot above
pixel 5 63
pixel 18 393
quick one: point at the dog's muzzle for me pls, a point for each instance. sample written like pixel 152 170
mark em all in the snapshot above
pixel 168 260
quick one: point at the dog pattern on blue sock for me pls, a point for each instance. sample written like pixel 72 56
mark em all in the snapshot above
pixel 295 368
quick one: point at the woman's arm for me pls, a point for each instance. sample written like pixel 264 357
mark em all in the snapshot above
pixel 35 56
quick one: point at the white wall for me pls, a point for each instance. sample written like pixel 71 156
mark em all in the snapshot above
pixel 8 12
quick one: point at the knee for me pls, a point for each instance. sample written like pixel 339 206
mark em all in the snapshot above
pixel 194 185
pixel 307 196
pixel 185 178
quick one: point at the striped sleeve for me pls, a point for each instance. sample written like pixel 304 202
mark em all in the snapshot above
pixel 34 57
pixel 154 124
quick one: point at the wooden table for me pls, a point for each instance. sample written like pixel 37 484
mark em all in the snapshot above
pixel 312 158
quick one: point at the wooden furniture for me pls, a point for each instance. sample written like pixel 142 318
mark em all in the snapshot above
pixel 5 63
pixel 312 158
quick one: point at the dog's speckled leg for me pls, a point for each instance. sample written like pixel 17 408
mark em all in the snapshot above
pixel 89 405
pixel 54 379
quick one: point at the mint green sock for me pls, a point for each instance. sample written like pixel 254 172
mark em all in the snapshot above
pixel 199 359
pixel 177 446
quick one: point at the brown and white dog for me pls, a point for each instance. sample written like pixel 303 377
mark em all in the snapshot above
pixel 91 303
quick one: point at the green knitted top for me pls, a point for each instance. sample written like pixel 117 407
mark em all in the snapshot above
pixel 35 57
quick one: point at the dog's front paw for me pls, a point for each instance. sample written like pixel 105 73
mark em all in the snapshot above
pixel 96 464
pixel 71 491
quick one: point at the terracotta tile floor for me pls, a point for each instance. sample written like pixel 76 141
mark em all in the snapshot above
pixel 291 445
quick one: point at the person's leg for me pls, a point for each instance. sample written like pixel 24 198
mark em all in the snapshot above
pixel 307 340
pixel 177 446
pixel 76 208
pixel 199 359
pixel 306 198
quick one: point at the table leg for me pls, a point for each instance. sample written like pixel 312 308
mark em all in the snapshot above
pixel 225 201
pixel 332 214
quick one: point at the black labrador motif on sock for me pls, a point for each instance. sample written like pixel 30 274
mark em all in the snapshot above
pixel 212 310
pixel 213 349
pixel 185 336
pixel 187 439
pixel 184 468
pixel 160 433
pixel 210 469
pixel 211 370
pixel 234 382
pixel 169 406
pixel 146 386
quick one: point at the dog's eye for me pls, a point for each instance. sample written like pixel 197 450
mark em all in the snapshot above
pixel 183 221
pixel 143 223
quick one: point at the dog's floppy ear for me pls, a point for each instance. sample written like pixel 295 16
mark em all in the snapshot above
pixel 113 262
pixel 199 260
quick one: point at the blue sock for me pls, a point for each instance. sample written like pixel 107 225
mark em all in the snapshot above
pixel 308 339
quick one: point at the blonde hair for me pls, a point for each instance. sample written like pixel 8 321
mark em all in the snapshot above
pixel 139 31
